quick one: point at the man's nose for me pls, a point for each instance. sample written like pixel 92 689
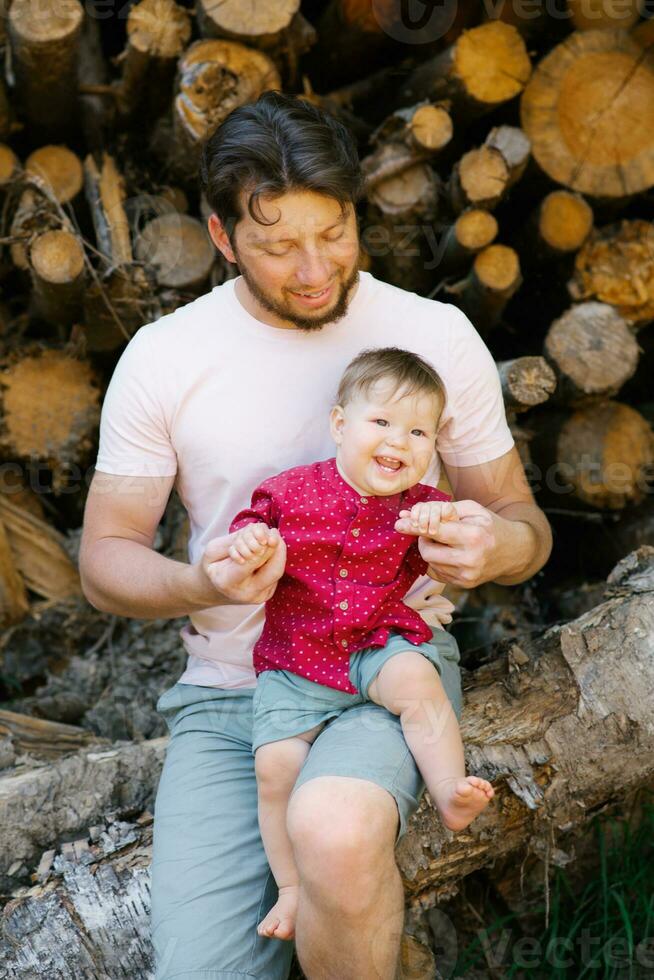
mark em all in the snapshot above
pixel 314 270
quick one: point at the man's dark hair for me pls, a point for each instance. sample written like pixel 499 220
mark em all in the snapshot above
pixel 277 144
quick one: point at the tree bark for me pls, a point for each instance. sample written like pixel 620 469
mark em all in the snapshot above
pixel 44 37
pixel 157 33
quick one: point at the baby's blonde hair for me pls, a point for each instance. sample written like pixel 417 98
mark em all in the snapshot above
pixel 409 372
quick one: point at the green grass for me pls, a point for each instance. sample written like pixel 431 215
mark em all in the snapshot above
pixel 604 932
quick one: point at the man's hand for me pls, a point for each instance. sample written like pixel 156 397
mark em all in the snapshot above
pixel 247 565
pixel 471 548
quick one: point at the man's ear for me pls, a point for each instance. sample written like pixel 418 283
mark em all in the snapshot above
pixel 336 422
pixel 220 237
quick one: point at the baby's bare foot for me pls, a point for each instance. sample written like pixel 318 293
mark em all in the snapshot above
pixel 459 801
pixel 280 921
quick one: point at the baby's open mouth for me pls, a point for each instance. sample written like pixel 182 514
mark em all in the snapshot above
pixel 388 464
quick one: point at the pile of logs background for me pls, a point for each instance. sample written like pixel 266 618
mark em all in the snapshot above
pixel 509 161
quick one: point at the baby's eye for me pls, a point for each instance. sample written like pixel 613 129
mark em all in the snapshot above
pixel 419 431
pixel 383 421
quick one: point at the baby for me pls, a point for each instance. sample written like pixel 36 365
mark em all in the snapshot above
pixel 337 631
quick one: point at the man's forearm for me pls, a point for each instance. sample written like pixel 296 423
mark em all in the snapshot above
pixel 126 578
pixel 527 543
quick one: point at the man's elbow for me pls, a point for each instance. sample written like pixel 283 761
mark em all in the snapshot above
pixel 91 594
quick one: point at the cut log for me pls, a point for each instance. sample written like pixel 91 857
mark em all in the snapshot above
pixel 214 77
pixel 44 37
pixel 14 603
pixel 105 192
pixel 157 33
pixel 179 249
pixel 39 553
pixel 40 806
pixel 601 455
pixel 526 381
pixel 472 231
pixel 539 722
pixel 486 66
pixel 277 27
pixel 97 109
pixel 494 278
pixel 50 409
pixel 217 18
pixel 60 170
pixel 420 127
pixel 593 351
pixel 515 147
pixel 35 214
pixel 58 276
pixel 45 739
pixel 616 266
pixel 582 111
pixel 114 307
pixel 480 179
pixel 9 167
pixel 400 210
pixel 407 137
pixel 565 220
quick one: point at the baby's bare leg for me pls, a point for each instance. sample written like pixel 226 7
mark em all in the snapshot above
pixel 409 685
pixel 277 765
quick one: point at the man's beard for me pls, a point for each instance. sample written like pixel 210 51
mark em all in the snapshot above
pixel 307 323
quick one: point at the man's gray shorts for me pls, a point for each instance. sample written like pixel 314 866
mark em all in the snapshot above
pixel 211 883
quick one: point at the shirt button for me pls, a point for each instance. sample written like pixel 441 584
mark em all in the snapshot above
pixel 343 604
pixel 343 573
pixel 355 532
pixel 364 500
pixel 343 643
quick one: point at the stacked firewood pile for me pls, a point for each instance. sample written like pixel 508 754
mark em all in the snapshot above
pixel 509 163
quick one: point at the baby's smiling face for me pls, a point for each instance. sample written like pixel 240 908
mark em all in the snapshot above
pixel 385 439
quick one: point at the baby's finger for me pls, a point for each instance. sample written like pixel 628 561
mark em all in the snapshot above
pixel 434 521
pixel 449 512
pixel 261 532
pixel 424 518
pixel 235 555
pixel 253 542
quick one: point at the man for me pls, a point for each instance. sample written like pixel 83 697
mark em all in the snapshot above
pixel 212 399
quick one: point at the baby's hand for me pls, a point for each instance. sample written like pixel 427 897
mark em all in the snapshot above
pixel 425 518
pixel 254 544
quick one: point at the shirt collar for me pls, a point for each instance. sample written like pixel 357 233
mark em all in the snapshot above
pixel 394 502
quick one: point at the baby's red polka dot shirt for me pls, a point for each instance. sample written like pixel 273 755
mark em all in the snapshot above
pixel 347 571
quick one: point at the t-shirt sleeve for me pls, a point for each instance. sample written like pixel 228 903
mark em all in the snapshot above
pixel 474 428
pixel 134 437
pixel 265 506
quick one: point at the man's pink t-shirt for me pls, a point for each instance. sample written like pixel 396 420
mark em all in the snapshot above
pixel 347 572
pixel 219 400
